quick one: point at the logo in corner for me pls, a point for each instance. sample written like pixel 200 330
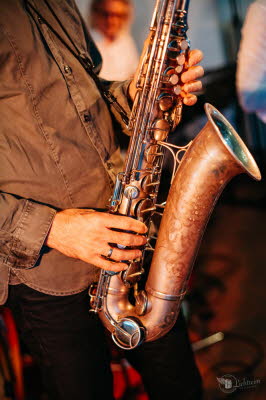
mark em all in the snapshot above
pixel 227 383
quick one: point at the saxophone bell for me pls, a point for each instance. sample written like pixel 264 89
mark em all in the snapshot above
pixel 215 156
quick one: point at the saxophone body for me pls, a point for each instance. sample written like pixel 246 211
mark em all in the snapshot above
pixel 201 171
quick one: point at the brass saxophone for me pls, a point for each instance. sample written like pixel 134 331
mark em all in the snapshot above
pixel 208 163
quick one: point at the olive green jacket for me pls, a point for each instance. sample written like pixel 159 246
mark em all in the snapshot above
pixel 56 140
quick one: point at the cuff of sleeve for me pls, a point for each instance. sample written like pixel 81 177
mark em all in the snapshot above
pixel 120 91
pixel 29 235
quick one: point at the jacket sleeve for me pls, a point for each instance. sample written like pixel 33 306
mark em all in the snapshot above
pixel 24 225
pixel 251 65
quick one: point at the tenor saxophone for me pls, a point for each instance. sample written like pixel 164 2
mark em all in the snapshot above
pixel 201 170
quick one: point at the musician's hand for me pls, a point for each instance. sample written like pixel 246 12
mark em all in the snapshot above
pixel 191 76
pixel 87 234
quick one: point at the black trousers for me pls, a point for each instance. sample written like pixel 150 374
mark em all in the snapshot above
pixel 71 347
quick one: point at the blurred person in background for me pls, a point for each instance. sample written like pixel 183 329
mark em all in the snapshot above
pixel 110 22
pixel 251 65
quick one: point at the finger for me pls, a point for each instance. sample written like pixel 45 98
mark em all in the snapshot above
pixel 194 57
pixel 110 265
pixel 189 99
pixel 195 86
pixel 125 223
pixel 126 239
pixel 125 255
pixel 192 74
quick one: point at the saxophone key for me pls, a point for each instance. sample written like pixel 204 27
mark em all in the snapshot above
pixel 181 59
pixel 184 45
pixel 179 69
pixel 174 79
pixel 151 153
pixel 173 49
pixel 133 274
pixel 131 192
pixel 144 209
pixel 177 90
pixel 148 185
pixel 161 128
pixel 166 100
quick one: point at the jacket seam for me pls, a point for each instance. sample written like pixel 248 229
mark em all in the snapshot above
pixel 19 229
pixel 19 219
pixel 53 292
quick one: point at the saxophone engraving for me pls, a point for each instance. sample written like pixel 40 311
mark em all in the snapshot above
pixel 208 164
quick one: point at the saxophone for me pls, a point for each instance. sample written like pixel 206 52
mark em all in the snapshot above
pixel 201 170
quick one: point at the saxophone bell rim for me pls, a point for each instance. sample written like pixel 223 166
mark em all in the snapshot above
pixel 232 141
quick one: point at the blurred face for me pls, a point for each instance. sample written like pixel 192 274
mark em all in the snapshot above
pixel 111 17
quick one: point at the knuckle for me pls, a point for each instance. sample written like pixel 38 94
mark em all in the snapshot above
pixel 98 262
pixel 135 225
pixel 128 240
pixel 104 264
pixel 115 237
pixel 186 88
pixel 122 239
pixel 143 227
pixel 125 256
pixel 130 223
pixel 139 241
pixel 97 219
pixel 128 255
pixel 190 100
pixel 193 86
pixel 184 77
pixel 118 255
pixel 114 266
pixel 136 254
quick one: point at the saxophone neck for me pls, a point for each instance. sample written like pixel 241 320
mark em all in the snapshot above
pixel 183 5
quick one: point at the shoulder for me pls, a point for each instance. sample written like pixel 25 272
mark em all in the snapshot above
pixel 15 26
